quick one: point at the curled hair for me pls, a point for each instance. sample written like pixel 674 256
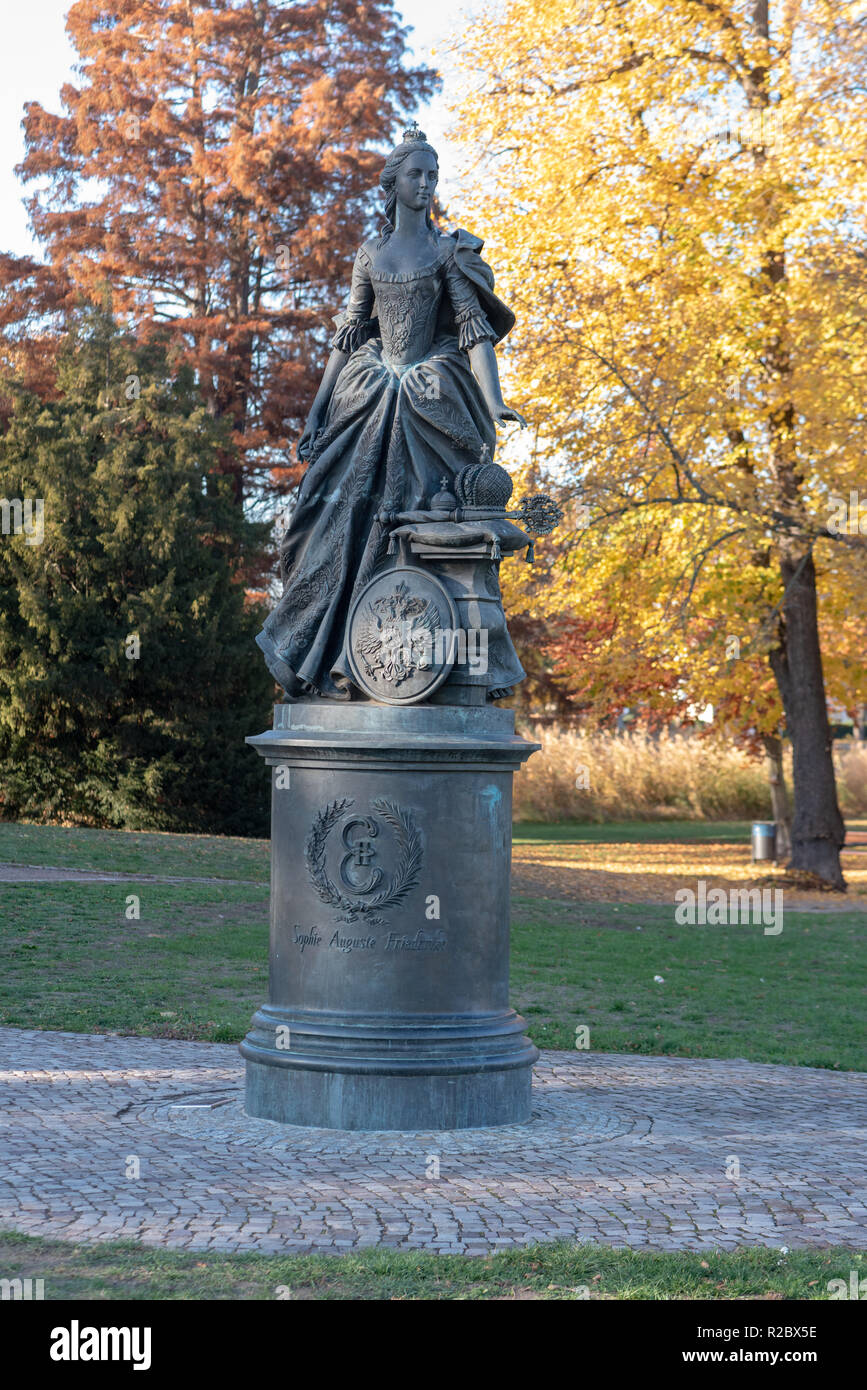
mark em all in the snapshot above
pixel 413 141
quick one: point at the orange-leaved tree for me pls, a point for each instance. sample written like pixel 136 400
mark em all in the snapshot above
pixel 212 169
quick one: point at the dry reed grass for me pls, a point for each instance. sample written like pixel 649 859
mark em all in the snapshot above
pixel 601 776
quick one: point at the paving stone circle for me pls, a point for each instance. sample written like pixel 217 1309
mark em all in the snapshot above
pixel 217 1117
pixel 624 1150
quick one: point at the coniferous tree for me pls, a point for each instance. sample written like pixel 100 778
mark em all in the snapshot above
pixel 128 674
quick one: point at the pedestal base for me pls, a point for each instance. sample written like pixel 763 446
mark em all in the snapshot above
pixel 401 1073
pixel 391 847
pixel 334 1100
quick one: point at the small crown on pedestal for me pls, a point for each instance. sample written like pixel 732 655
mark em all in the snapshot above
pixel 444 500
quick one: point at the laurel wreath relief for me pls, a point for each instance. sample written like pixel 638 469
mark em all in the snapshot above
pixel 408 868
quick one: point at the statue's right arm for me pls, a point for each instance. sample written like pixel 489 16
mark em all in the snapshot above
pixel 350 335
pixel 319 408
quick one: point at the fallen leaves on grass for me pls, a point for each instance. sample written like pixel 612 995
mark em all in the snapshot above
pixel 652 873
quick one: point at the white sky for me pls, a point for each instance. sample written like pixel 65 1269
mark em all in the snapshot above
pixel 36 59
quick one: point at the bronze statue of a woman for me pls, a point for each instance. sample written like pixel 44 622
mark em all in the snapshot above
pixel 410 397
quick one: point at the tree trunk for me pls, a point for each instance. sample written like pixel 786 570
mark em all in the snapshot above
pixel 817 827
pixel 780 808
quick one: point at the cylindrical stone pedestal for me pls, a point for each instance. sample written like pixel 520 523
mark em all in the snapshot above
pixel 391 838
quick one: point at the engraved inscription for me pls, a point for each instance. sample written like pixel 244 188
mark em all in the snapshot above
pixel 305 937
pixel 341 942
pixel 422 941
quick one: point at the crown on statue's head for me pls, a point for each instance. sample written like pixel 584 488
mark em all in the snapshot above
pixel 414 136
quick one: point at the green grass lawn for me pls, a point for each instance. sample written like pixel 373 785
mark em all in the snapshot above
pixel 194 964
pixel 628 832
pixel 212 856
pixel 125 1270
pixel 796 998
pixel 634 832
pixel 121 851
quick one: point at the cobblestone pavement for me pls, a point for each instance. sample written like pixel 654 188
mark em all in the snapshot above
pixel 628 1151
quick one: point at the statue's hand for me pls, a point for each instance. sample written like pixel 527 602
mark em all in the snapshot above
pixel 308 438
pixel 505 412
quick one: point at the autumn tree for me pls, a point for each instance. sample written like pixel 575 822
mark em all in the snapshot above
pixel 676 193
pixel 629 617
pixel 212 166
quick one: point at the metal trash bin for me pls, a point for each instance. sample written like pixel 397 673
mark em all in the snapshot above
pixel 764 840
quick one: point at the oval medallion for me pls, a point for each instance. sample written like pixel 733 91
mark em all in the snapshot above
pixel 402 636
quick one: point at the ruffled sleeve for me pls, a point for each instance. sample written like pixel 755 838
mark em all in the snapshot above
pixel 354 324
pixel 474 328
pixel 470 318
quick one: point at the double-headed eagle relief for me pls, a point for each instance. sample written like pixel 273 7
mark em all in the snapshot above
pixel 395 636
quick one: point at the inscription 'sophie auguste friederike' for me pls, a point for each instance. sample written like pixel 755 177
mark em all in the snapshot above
pixel 342 941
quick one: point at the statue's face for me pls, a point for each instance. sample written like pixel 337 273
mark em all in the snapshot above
pixel 416 180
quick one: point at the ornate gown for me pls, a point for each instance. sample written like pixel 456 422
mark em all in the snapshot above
pixel 406 412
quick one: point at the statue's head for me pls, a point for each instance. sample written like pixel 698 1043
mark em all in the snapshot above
pixel 409 176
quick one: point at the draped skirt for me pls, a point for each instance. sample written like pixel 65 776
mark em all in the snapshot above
pixel 393 436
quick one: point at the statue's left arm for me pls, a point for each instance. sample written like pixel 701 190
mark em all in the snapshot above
pixel 483 361
pixel 477 338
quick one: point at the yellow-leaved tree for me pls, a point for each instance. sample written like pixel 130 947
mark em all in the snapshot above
pixel 674 193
